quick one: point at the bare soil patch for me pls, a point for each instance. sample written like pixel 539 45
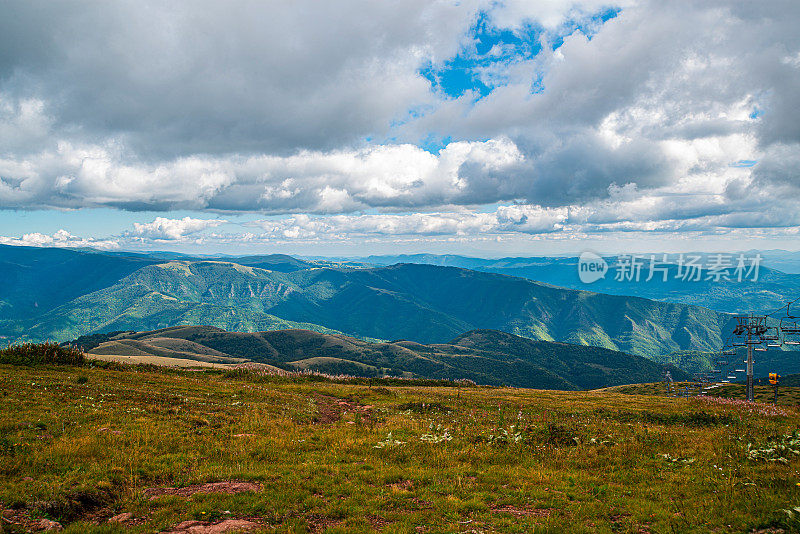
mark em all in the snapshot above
pixel 331 409
pixel 228 488
pixel 204 527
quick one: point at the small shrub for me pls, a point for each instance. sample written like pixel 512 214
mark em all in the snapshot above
pixel 83 379
pixel 41 354
pixel 781 449
pixel 74 504
pixel 436 434
pixel 504 437
pixel 388 443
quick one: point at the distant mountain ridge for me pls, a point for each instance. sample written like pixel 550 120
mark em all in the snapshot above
pixel 423 303
pixel 771 290
pixel 36 280
pixel 484 356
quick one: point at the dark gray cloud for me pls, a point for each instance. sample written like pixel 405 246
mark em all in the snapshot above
pixel 213 77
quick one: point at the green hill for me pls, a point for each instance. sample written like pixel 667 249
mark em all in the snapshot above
pixel 485 356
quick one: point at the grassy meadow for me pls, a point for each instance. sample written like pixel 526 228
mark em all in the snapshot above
pixel 81 444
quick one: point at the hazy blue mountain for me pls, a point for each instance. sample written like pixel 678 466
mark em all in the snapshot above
pixel 782 260
pixel 772 289
pixel 35 280
pixel 273 262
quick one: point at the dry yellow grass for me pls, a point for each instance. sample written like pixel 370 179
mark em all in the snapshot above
pixel 156 360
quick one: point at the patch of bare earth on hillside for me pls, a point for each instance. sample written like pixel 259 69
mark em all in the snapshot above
pixel 377 522
pixel 20 519
pixel 227 488
pixel 221 527
pixel 332 409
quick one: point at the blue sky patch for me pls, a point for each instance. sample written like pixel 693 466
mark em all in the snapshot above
pixel 434 143
pixel 744 163
pixel 490 50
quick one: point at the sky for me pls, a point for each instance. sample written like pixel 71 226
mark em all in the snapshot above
pixel 478 127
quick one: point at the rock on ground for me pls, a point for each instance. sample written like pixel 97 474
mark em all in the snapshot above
pixel 203 527
pixel 46 524
pixel 121 518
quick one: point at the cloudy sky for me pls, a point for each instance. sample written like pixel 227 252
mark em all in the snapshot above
pixel 478 127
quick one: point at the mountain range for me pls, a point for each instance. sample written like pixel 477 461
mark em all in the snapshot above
pixel 61 295
pixel 771 289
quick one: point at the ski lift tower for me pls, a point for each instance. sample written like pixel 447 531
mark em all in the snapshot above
pixel 751 331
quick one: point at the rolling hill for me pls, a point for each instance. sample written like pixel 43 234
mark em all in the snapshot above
pixel 36 280
pixel 484 356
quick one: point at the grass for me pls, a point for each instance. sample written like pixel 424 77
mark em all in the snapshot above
pixel 348 457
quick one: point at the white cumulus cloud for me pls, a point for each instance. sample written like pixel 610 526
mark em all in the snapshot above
pixel 172 229
pixel 61 239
